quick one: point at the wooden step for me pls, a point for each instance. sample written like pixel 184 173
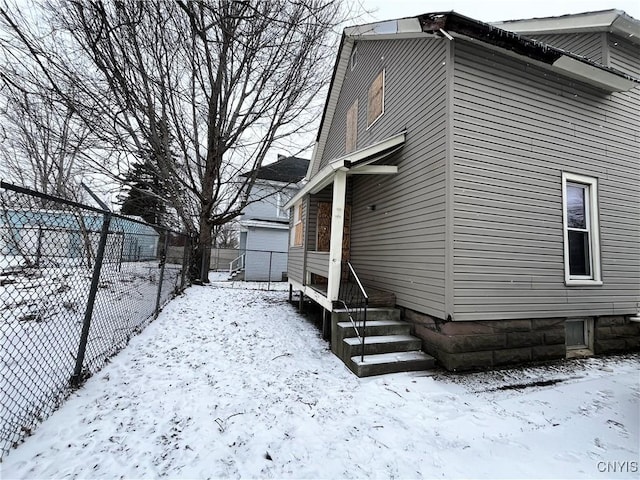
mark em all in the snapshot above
pixel 384 363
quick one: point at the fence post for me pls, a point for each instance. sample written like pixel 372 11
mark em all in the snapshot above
pixel 121 252
pixel 270 260
pixel 39 246
pixel 95 279
pixel 185 260
pixel 163 261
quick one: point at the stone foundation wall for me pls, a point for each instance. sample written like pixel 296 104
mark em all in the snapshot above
pixel 616 334
pixel 497 343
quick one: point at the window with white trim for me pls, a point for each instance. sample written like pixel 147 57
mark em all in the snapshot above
pixel 353 60
pixel 281 201
pixel 296 231
pixel 352 127
pixel 375 99
pixel 581 230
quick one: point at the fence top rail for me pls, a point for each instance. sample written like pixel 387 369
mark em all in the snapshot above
pixel 45 196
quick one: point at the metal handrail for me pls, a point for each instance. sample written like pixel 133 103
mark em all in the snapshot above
pixel 355 301
pixel 238 262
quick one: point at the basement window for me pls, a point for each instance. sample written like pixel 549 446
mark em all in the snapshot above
pixel 579 337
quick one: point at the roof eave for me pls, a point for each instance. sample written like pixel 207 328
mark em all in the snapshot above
pixel 614 21
pixel 568 65
pixel 359 158
pixel 592 75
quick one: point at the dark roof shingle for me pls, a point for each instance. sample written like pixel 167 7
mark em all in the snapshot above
pixel 285 169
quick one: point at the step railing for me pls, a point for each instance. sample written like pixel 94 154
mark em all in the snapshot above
pixel 237 263
pixel 355 301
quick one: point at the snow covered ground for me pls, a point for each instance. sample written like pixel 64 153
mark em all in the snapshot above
pixel 41 316
pixel 233 383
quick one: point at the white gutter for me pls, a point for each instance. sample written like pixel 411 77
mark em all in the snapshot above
pixel 614 21
pixel 569 66
pixel 592 75
pixel 277 225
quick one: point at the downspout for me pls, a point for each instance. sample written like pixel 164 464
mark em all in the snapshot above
pixel 443 32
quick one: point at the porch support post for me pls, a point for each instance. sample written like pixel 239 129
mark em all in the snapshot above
pixel 337 228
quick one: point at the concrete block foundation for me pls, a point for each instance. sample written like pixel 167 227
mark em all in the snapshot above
pixel 460 346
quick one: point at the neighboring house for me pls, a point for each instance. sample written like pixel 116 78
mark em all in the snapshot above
pixel 265 222
pixel 489 181
pixel 62 238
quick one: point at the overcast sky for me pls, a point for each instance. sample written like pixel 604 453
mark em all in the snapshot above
pixel 495 10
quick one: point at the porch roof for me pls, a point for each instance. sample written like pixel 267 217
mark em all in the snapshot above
pixel 358 162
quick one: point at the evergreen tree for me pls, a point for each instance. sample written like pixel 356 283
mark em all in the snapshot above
pixel 145 198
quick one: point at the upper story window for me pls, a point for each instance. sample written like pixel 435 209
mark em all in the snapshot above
pixel 352 127
pixel 581 230
pixel 281 201
pixel 375 99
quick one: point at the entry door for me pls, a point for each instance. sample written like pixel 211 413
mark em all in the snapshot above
pixel 323 236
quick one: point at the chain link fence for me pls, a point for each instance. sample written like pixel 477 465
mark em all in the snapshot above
pixel 76 283
pixel 254 265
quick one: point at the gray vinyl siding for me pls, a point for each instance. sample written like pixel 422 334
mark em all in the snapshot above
pixel 266 254
pixel 624 55
pixel 295 264
pixel 400 245
pixel 318 263
pixel 590 45
pixel 402 60
pixel 516 129
pixel 264 201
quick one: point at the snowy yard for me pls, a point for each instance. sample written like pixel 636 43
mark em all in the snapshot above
pixel 233 383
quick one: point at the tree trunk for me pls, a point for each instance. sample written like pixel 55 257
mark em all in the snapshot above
pixel 202 253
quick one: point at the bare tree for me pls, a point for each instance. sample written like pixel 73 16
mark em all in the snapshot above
pixel 43 144
pixel 226 236
pixel 205 87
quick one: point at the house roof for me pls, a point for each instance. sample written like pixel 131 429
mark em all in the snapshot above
pixel 285 169
pixel 613 21
pixel 451 25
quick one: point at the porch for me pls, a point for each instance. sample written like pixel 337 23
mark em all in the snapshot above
pixel 376 298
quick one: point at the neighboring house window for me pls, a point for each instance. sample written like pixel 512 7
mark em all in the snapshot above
pixel 297 225
pixel 375 99
pixel 281 200
pixel 581 230
pixel 352 127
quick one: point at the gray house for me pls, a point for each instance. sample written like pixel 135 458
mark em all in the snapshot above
pixel 484 179
pixel 265 223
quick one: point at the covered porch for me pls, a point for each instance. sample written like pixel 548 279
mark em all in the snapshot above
pixel 322 211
